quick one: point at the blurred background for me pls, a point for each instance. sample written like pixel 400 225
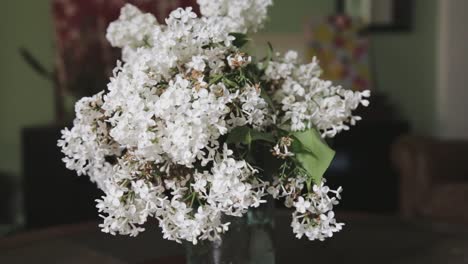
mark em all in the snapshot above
pixel 404 168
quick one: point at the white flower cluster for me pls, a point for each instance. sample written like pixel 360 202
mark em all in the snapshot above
pixel 132 29
pixel 159 103
pixel 161 114
pixel 240 15
pixel 308 101
pixel 130 199
pixel 230 188
pixel 157 141
pixel 313 215
pixel 281 149
pixel 87 144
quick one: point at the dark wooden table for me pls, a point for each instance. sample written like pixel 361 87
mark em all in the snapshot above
pixel 365 239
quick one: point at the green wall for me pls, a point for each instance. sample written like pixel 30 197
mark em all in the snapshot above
pixel 405 65
pixel 25 98
pixel 289 16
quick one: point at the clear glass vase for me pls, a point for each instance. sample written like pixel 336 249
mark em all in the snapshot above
pixel 248 241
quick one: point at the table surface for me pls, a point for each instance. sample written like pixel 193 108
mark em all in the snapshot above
pixel 365 239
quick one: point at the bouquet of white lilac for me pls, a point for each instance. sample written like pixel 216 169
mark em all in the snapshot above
pixel 190 126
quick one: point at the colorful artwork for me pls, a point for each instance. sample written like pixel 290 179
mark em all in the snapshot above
pixel 342 51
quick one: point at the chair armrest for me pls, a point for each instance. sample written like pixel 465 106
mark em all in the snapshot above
pixel 446 161
pixel 414 181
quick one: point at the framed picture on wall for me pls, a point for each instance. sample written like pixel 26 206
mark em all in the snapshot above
pixel 379 15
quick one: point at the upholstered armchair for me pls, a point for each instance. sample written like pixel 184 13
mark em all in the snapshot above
pixel 433 178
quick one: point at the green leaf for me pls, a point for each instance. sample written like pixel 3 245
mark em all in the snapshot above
pixel 257 135
pixel 312 153
pixel 239 135
pixel 270 52
pixel 215 79
pixel 246 135
pixel 229 83
pixel 240 39
pixel 248 139
pixel 269 56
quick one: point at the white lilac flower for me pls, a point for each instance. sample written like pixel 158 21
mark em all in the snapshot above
pixel 239 15
pixel 132 28
pixel 281 149
pixel 233 185
pixel 128 201
pixel 314 216
pixel 255 110
pixel 87 144
pixel 308 101
pixel 155 142
pixel 302 205
pixel 238 60
pixel 287 187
